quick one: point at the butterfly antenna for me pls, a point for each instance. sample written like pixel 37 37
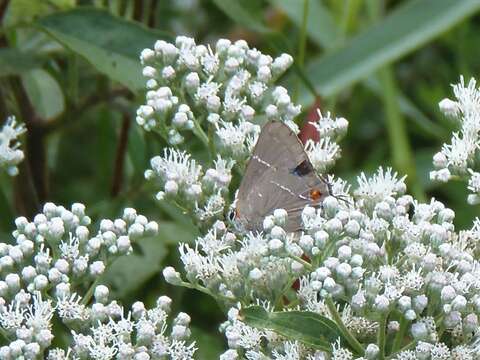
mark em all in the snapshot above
pixel 343 198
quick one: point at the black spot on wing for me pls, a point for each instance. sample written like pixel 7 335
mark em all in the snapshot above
pixel 303 168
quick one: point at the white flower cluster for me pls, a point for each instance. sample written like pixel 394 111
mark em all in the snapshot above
pixel 192 87
pixel 51 273
pixel 326 151
pixel 10 154
pixel 460 157
pixel 386 262
pixel 198 192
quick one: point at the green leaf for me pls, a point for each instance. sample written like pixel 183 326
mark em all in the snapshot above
pixel 112 45
pixel 130 273
pixel 240 12
pixel 321 25
pixel 209 346
pixel 15 62
pixel 307 327
pixel 44 92
pixel 404 30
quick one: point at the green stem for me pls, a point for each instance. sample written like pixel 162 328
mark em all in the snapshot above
pixel 198 131
pixel 89 293
pixel 352 340
pixel 301 261
pixel 381 336
pixel 402 156
pixel 409 346
pixel 302 44
pixel 399 337
pixel 204 290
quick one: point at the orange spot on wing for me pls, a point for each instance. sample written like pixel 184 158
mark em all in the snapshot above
pixel 315 194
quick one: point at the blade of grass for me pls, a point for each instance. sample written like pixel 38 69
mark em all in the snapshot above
pixel 302 44
pixel 406 28
pixel 321 26
pixel 400 147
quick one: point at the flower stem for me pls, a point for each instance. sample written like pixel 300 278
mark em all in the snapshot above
pixel 406 347
pixel 399 337
pixel 352 340
pixel 198 131
pixel 89 293
pixel 381 335
pixel 301 261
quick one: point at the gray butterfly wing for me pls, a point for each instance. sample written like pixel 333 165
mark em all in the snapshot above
pixel 278 175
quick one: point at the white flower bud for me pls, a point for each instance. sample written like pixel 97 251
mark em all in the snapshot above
pixel 56 228
pixel 168 73
pixel 101 294
pixel 44 338
pixel 28 273
pixel 306 242
pixel 40 282
pixel 54 276
pixel 97 268
pixel 16 348
pixel 123 244
pixel 138 310
pixel 459 303
pixel 449 107
pixel 277 232
pixel 255 274
pixel 280 216
pixel 372 351
pixel 333 227
pixel 356 260
pixel 404 303
pixel 80 265
pixel 147 55
pixel 62 290
pixel 297 267
pixel 321 238
pixel 165 303
pixel 143 355
pixel 192 81
pixel 31 350
pixel 329 284
pixel 343 270
pixel 264 74
pixel 275 245
pixel 381 303
pixel 136 231
pixel 13 282
pixel 419 331
pixel 151 228
pixel 171 276
pixel 447 294
pixel 420 303
pixel 410 315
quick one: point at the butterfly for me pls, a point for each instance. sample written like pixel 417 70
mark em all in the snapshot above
pixel 279 175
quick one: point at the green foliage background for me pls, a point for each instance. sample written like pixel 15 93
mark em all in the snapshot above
pixel 70 70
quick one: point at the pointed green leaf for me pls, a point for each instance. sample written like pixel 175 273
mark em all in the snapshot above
pixel 307 327
pixel 404 30
pixel 16 62
pixel 241 13
pixel 112 45
pixel 44 92
pixel 321 25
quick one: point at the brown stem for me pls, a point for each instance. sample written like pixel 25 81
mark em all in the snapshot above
pixel 120 156
pixel 31 196
pixel 3 9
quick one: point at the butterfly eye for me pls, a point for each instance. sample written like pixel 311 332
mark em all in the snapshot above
pixel 315 194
